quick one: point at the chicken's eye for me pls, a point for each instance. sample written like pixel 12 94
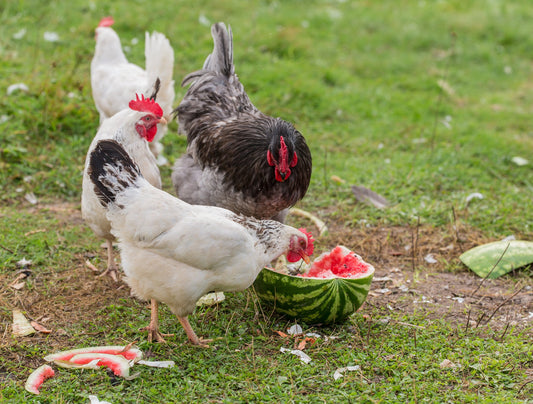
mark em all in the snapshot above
pixel 147 118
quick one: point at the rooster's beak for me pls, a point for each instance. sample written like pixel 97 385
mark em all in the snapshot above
pixel 163 121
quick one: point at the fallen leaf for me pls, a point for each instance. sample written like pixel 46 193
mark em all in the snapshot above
pixel 520 161
pixel 495 259
pixel 158 364
pixel 446 87
pixel 50 36
pixel 302 355
pixel 21 325
pixel 95 400
pixel 475 195
pixel 211 299
pixel 24 263
pixel 430 259
pixel 91 266
pixel 19 34
pixel 281 334
pixel 339 372
pixel 337 180
pixel 447 364
pixel 34 232
pixel 31 198
pixel 17 87
pixel 17 286
pixel 40 328
pixel 365 195
pixel 296 329
pixel 303 343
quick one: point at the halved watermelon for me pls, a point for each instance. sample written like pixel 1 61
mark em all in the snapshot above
pixel 324 297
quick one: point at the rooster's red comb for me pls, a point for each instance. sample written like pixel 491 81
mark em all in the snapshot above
pixel 310 242
pixel 106 22
pixel 146 105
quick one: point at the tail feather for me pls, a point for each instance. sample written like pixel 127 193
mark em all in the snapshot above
pixel 112 171
pixel 160 64
pixel 221 59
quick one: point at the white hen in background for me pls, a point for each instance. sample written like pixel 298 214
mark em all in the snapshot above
pixel 115 81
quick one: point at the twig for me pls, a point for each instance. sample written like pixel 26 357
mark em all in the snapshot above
pixel 91 266
pixel 504 331
pixel 524 385
pixel 410 325
pixel 414 242
pixel 322 228
pixel 504 302
pixel 468 321
pixel 479 319
pixel 441 93
pixel 7 249
pixel 495 265
pixel 456 230
pixel 326 183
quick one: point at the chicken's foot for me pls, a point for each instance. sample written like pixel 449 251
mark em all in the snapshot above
pixel 112 268
pixel 191 335
pixel 154 335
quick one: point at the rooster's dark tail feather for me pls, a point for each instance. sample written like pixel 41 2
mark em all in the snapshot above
pixel 221 59
pixel 111 170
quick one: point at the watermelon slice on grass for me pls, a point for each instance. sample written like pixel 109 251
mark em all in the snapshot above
pixel 335 287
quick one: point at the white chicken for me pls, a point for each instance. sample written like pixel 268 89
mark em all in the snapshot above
pixel 115 81
pixel 134 128
pixel 178 252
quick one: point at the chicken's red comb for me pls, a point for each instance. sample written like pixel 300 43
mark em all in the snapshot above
pixel 310 242
pixel 106 22
pixel 146 105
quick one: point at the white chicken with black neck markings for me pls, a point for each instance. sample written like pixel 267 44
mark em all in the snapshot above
pixel 178 252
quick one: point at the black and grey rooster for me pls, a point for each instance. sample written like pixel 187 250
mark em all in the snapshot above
pixel 237 157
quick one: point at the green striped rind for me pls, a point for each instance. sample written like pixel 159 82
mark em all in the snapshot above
pixel 312 300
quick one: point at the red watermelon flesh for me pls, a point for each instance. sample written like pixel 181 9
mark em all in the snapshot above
pixel 340 262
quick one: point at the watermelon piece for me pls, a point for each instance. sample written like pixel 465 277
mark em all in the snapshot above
pixel 339 262
pixel 129 353
pixel 37 378
pixel 321 296
pixel 118 364
pixel 498 258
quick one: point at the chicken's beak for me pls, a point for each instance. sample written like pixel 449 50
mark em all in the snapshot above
pixel 305 257
pixel 163 121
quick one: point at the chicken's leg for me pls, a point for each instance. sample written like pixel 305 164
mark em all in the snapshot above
pixel 112 269
pixel 193 338
pixel 153 327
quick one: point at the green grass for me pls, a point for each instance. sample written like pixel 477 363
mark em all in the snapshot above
pixel 361 81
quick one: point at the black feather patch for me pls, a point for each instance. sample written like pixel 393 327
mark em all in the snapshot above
pixel 157 87
pixel 111 170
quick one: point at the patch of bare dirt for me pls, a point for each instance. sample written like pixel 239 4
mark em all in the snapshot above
pixel 418 270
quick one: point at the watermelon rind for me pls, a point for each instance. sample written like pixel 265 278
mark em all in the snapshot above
pixel 313 300
pixel 498 258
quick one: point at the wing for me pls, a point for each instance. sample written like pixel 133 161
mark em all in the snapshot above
pixel 202 237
